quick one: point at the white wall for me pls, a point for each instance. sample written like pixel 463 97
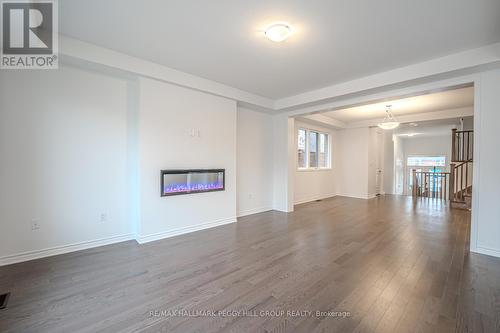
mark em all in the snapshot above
pixel 352 164
pixel 167 116
pixel 283 162
pixel 254 162
pixel 71 141
pixel 63 152
pixel 313 185
pixel 388 163
pixel 429 146
pixel 399 165
pixel 485 233
pixel 468 123
pixel 86 143
pixel 375 161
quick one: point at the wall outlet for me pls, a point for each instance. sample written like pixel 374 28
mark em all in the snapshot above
pixel 194 133
pixel 35 224
pixel 103 217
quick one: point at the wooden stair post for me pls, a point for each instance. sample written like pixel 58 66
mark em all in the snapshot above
pixel 451 190
pixel 453 144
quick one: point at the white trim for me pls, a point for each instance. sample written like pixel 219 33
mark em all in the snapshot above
pixel 358 196
pixel 319 119
pixel 314 169
pixel 475 171
pixel 184 230
pixel 416 117
pixel 407 91
pixel 444 68
pixel 314 198
pixel 487 251
pixel 434 67
pixel 252 211
pixel 56 250
pixel 308 130
pixel 75 49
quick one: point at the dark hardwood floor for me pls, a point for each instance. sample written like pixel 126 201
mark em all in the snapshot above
pixel 389 264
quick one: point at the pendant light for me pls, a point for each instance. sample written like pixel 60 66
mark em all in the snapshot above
pixel 389 121
pixel 278 32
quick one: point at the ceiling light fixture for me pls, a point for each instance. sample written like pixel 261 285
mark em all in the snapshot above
pixel 278 32
pixel 389 121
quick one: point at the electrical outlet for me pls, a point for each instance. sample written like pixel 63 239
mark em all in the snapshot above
pixel 194 133
pixel 103 217
pixel 35 224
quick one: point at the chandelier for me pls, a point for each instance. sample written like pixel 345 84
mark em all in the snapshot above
pixel 389 121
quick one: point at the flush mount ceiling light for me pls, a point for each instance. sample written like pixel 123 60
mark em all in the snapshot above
pixel 278 32
pixel 389 121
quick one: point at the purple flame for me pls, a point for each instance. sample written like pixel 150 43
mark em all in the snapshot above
pixel 181 188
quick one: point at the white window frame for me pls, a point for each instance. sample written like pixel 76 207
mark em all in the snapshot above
pixel 307 147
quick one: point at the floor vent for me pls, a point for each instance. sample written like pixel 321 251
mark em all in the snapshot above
pixel 4 298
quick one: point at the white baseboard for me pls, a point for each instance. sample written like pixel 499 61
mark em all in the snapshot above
pixel 52 251
pixel 183 230
pixel 254 211
pixel 486 251
pixel 314 198
pixel 357 196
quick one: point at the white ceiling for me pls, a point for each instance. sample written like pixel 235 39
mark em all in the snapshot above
pixel 439 101
pixel 335 41
pixel 427 128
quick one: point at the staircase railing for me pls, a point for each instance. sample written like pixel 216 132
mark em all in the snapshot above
pixel 455 185
pixel 462 152
pixel 460 181
pixel 431 184
pixel 462 145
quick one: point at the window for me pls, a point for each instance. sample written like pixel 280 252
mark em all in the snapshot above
pixel 301 148
pixel 323 155
pixel 313 149
pixel 426 161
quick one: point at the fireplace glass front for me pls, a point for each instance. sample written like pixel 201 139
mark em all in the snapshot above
pixel 176 182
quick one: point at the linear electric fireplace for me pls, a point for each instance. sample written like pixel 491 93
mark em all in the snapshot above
pixel 176 182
